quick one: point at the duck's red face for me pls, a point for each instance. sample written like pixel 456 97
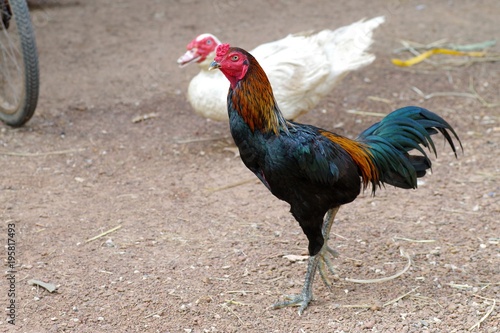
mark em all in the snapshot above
pixel 199 49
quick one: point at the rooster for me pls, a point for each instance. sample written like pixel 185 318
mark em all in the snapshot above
pixel 317 171
pixel 6 14
pixel 302 68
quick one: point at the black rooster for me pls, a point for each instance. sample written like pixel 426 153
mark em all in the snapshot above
pixel 314 170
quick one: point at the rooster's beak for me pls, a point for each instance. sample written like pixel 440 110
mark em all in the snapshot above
pixel 214 65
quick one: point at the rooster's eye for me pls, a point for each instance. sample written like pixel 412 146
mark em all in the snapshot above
pixel 209 42
pixel 234 58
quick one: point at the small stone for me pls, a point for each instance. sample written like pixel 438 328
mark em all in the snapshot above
pixel 368 325
pixel 377 307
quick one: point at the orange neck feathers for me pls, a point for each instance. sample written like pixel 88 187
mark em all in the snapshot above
pixel 254 101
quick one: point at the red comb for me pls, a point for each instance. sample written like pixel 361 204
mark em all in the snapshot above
pixel 221 50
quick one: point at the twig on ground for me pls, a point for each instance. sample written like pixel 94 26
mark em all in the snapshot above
pixel 456 211
pixel 420 297
pixel 375 306
pixel 361 306
pixel 106 272
pixel 474 46
pixel 473 94
pixel 414 46
pixel 366 113
pixel 155 313
pixel 410 45
pixel 231 301
pixel 486 315
pixel 243 292
pixel 380 99
pixel 144 117
pixel 338 235
pixel 479 97
pixel 399 297
pixel 103 234
pixel 192 140
pixel 57 152
pixel 469 61
pixel 442 94
pixel 233 313
pixel 459 286
pixel 414 240
pixel 485 298
pixel 388 278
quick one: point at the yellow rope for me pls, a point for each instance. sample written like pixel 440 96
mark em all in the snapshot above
pixel 427 54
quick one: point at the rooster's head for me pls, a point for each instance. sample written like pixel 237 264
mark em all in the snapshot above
pixel 233 62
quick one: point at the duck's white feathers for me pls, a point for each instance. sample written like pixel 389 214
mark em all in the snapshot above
pixel 302 68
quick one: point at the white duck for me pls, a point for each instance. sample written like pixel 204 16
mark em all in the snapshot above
pixel 302 68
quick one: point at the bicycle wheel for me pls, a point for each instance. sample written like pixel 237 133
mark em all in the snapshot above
pixel 19 75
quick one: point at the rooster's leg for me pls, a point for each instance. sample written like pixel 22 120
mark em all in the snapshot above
pixel 302 300
pixel 317 261
pixel 325 265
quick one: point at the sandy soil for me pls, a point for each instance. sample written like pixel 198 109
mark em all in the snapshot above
pixel 193 253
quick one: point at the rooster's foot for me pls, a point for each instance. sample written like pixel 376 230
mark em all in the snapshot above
pixel 301 300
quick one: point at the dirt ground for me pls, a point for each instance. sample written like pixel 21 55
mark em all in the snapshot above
pixel 195 252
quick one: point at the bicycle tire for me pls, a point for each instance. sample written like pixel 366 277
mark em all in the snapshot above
pixel 27 100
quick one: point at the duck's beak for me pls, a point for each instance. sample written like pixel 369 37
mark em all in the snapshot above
pixel 214 65
pixel 189 57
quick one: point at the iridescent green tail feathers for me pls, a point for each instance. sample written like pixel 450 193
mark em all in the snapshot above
pixel 391 140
